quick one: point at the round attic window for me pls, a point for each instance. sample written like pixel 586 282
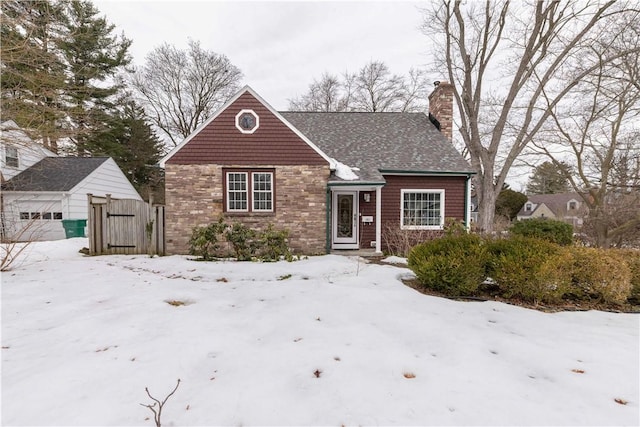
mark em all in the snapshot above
pixel 247 121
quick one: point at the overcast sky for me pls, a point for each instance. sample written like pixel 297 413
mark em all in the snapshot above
pixel 280 46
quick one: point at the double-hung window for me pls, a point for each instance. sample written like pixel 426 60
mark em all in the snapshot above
pixel 262 191
pixel 422 209
pixel 237 193
pixel 249 191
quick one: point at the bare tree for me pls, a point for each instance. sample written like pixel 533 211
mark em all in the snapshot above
pixel 373 88
pixel 599 130
pixel 511 66
pixel 376 89
pixel 180 89
pixel 323 95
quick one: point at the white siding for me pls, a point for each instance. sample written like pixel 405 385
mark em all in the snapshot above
pixel 16 228
pixel 29 152
pixel 106 179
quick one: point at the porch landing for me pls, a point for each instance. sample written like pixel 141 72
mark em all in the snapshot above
pixel 364 253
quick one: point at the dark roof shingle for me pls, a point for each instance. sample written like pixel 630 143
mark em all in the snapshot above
pixel 54 174
pixel 375 142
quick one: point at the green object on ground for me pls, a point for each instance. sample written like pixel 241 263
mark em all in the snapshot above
pixel 74 227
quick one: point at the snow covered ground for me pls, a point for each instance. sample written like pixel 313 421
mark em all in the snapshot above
pixel 324 341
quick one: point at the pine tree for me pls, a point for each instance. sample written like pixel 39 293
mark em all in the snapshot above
pixel 549 178
pixel 93 56
pixel 33 79
pixel 128 138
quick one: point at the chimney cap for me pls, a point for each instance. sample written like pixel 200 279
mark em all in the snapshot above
pixel 436 83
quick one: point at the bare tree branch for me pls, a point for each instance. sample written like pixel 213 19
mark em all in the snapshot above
pixel 511 66
pixel 181 89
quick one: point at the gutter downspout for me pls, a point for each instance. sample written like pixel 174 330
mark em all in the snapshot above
pixel 328 221
pixel 467 203
pixel 378 220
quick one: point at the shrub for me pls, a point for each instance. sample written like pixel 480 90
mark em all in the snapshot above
pixel 244 241
pixel 273 244
pixel 454 264
pixel 399 242
pixel 601 274
pixel 454 227
pixel 632 258
pixel 530 269
pixel 204 241
pixel 547 229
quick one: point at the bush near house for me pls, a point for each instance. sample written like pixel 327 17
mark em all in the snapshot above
pixel 274 244
pixel 601 275
pixel 244 241
pixel 527 269
pixel 453 265
pixel 248 244
pixel 205 241
pixel 632 258
pixel 548 229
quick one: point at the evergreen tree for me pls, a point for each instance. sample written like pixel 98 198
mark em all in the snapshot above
pixel 128 138
pixel 33 71
pixel 60 61
pixel 549 178
pixel 93 56
pixel 509 203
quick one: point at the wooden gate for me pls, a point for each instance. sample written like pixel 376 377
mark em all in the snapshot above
pixel 125 226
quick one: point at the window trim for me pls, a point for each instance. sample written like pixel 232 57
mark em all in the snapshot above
pixel 254 191
pixel 255 116
pixel 441 192
pixel 249 173
pixel 7 157
pixel 227 191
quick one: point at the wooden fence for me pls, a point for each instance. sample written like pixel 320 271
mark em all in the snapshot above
pixel 125 226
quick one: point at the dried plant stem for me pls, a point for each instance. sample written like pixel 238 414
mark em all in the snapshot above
pixel 157 413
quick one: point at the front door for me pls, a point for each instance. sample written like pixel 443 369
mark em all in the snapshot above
pixel 345 219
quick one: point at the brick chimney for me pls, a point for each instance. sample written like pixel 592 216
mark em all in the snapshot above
pixel 441 108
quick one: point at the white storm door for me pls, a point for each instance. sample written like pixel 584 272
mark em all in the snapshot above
pixel 345 219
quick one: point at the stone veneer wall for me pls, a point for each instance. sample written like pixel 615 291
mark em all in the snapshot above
pixel 194 197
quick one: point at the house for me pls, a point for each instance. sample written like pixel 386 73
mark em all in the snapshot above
pixel 334 180
pixel 19 151
pixel 42 189
pixel 567 207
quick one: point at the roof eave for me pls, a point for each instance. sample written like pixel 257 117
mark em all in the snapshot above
pixel 354 183
pixel 424 172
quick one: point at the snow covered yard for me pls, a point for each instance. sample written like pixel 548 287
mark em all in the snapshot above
pixel 323 341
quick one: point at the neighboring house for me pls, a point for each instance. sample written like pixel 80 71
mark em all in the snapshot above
pixel 37 199
pixel 19 152
pixel 334 180
pixel 567 207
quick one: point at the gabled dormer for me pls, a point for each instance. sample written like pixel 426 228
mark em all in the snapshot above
pixel 573 205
